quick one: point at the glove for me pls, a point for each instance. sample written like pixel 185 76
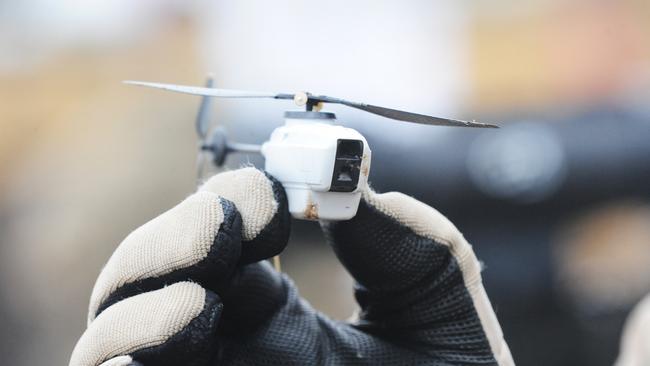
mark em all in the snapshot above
pixel 635 341
pixel 190 288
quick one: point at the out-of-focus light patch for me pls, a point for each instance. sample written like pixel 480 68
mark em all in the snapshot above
pixel 524 162
pixel 34 31
pixel 374 51
pixel 550 53
pixel 508 9
pixel 602 257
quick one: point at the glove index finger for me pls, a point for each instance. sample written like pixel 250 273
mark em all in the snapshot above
pixel 262 203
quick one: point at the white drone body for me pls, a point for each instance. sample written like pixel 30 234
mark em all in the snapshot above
pixel 323 167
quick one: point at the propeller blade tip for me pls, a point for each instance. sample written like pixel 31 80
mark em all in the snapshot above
pixel 133 82
pixel 473 123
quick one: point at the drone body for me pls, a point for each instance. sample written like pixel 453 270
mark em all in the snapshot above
pixel 323 167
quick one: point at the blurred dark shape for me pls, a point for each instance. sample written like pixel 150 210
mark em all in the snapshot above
pixel 510 191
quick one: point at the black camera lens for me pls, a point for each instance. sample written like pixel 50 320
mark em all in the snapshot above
pixel 347 165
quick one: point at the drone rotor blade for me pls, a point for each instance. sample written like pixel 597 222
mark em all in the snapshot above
pixel 381 111
pixel 402 115
pixel 206 92
pixel 416 117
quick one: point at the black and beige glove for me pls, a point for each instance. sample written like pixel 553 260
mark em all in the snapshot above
pixel 190 288
pixel 635 342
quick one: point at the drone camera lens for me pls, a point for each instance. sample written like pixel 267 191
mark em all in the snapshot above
pixel 344 174
pixel 347 165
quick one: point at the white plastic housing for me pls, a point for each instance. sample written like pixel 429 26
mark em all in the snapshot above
pixel 302 154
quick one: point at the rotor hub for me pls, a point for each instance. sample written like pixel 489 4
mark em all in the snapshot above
pixel 309 115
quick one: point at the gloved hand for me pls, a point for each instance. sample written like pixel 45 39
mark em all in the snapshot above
pixel 635 342
pixel 188 288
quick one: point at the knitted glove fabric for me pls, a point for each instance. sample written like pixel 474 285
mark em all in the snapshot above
pixel 189 288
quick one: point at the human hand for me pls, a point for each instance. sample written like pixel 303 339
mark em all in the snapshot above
pixel 190 288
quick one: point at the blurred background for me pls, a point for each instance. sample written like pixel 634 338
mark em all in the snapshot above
pixel 556 203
